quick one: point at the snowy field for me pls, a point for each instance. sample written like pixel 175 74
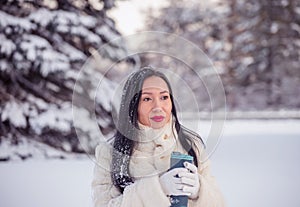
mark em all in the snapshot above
pixel 257 163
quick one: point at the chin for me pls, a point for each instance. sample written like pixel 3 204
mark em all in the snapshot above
pixel 157 125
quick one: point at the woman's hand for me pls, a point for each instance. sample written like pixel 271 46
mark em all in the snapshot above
pixel 190 180
pixel 172 184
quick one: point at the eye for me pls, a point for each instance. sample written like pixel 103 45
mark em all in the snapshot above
pixel 146 99
pixel 165 97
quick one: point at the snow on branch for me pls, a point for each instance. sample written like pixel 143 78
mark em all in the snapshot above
pixel 42 51
pixel 21 24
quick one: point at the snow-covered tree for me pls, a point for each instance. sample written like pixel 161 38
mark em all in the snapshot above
pixel 255 46
pixel 265 54
pixel 43 46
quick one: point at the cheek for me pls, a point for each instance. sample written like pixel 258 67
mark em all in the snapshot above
pixel 143 113
pixel 168 109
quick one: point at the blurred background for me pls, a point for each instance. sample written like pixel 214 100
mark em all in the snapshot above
pixel 254 47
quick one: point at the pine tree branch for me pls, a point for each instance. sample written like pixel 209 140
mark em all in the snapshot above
pixel 34 89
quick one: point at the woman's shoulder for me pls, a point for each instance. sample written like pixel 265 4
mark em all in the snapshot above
pixel 103 150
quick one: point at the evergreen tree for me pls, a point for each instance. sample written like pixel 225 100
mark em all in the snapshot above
pixel 43 45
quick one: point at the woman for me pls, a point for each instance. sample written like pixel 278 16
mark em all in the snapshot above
pixel 134 169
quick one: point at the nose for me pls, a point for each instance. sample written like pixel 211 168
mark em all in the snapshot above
pixel 157 107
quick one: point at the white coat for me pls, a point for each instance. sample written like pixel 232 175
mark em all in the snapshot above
pixel 149 160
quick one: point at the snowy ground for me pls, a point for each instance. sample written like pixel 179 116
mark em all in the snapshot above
pixel 256 164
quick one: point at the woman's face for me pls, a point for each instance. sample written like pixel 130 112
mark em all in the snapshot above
pixel 155 104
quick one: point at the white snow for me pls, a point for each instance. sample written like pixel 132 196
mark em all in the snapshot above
pixel 6 45
pixel 88 21
pixel 3 65
pixel 106 32
pixel 41 104
pixel 62 28
pixel 42 16
pixel 17 56
pixel 73 53
pixel 9 20
pixel 36 47
pixel 15 113
pixel 68 22
pixel 30 44
pixel 65 17
pixel 54 118
pixel 46 183
pixel 83 119
pixel 297 10
pixel 88 128
pixel 104 93
pixel 295 27
pixel 30 41
pixel 54 61
pixel 28 149
pixel 85 33
pixel 255 164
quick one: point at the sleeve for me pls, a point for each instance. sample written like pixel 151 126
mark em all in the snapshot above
pixel 144 192
pixel 209 193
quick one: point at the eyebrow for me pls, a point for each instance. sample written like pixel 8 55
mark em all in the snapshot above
pixel 159 92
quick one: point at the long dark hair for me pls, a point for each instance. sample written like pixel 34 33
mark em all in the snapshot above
pixel 124 139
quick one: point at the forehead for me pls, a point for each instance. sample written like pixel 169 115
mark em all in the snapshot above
pixel 155 82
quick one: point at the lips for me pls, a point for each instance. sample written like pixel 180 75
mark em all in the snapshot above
pixel 157 118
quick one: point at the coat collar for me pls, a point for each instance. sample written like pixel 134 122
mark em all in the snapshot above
pixel 148 134
pixel 152 154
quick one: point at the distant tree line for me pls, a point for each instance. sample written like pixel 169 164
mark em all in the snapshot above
pixel 255 46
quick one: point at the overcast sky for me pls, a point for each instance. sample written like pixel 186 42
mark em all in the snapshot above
pixel 130 15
